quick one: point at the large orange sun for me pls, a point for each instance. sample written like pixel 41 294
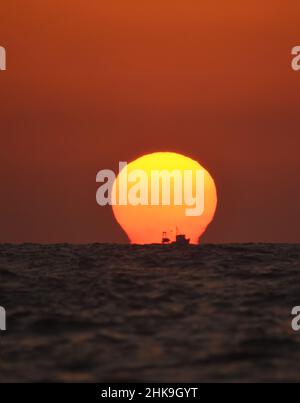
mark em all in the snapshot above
pixel 144 221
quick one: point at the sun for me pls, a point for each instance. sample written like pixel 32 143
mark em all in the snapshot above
pixel 165 192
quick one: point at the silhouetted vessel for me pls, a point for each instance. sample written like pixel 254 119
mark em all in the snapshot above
pixel 165 239
pixel 180 239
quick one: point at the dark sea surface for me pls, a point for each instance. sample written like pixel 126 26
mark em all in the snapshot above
pixel 105 312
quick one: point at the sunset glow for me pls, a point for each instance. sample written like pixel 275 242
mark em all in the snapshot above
pixel 145 223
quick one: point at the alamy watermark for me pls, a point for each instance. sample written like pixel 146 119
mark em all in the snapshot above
pixel 296 59
pixel 296 320
pixel 160 187
pixel 2 58
pixel 2 318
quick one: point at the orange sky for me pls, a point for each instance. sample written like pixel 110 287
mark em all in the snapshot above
pixel 93 83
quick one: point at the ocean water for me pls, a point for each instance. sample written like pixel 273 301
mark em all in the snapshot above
pixel 108 312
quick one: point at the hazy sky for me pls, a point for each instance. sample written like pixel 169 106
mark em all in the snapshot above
pixel 93 83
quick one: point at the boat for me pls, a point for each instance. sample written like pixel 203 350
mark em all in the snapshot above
pixel 180 239
pixel 165 239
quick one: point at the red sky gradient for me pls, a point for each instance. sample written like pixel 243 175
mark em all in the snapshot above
pixel 93 83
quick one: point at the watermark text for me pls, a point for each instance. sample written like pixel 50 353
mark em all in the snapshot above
pixel 296 59
pixel 155 188
pixel 296 320
pixel 2 58
pixel 2 318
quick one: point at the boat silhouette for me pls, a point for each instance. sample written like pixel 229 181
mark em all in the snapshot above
pixel 180 239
